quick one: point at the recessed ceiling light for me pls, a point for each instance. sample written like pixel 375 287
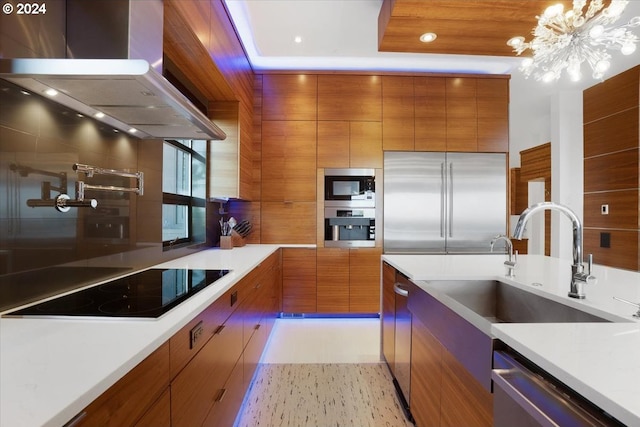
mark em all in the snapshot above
pixel 51 92
pixel 297 39
pixel 133 130
pixel 79 115
pixel 428 37
pixel 98 115
pixel 24 92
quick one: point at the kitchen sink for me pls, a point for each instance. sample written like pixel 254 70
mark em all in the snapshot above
pixel 498 302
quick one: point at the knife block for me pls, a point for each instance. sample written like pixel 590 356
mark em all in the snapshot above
pixel 226 242
pixel 237 240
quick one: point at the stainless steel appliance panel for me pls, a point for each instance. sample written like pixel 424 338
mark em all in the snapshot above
pixel 476 200
pixel 443 202
pixel 414 202
pixel 402 365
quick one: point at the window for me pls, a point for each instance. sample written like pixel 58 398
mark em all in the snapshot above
pixel 183 192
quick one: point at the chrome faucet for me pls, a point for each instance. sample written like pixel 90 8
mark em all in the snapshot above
pixel 579 277
pixel 511 262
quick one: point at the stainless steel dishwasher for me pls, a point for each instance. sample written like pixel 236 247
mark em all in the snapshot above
pixel 402 365
pixel 526 396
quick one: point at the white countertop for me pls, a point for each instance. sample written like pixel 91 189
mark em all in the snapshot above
pixel 601 361
pixel 50 369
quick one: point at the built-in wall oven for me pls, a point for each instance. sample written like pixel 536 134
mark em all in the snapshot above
pixel 350 208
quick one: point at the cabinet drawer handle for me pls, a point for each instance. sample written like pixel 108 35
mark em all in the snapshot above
pixel 222 394
pixel 218 330
pixel 75 420
pixel 400 291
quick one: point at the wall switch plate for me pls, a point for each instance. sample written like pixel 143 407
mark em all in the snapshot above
pixel 604 209
pixel 195 333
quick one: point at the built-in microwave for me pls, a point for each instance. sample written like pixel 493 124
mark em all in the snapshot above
pixel 349 185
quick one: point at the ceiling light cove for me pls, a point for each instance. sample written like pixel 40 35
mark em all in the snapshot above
pixel 297 39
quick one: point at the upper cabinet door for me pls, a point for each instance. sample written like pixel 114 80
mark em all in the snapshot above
pixel 430 114
pixel 462 114
pixel 398 113
pixel 493 115
pixel 349 97
pixel 289 97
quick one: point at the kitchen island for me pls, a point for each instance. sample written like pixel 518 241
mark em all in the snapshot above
pixel 600 361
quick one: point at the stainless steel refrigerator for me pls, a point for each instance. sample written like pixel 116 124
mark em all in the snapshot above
pixel 444 202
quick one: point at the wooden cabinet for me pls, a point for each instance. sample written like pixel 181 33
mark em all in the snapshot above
pixel 289 161
pixel 159 415
pixel 349 98
pixel 450 367
pixel 333 280
pixel 198 381
pixel 128 400
pixel 299 280
pixel 230 162
pixel 462 114
pixel 356 144
pixel 430 114
pixel 289 97
pixel 348 280
pixel 364 280
pixel 493 115
pixel 288 222
pixel 398 112
pixel 426 375
pixel 200 384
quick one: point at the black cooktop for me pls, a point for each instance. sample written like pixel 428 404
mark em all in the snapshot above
pixel 147 294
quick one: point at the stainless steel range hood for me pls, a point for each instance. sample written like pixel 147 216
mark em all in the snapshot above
pixel 128 91
pixel 133 97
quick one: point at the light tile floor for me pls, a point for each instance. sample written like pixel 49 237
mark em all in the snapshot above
pixel 321 373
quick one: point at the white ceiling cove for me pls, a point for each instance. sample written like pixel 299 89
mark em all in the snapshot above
pixel 343 35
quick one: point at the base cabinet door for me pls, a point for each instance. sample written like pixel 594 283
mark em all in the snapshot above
pixel 299 280
pixel 225 409
pixel 426 378
pixel 127 400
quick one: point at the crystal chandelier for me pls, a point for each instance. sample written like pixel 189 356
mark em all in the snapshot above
pixel 564 40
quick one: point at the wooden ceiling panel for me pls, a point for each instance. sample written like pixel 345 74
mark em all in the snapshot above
pixel 470 27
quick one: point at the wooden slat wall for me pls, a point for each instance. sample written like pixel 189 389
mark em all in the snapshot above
pixel 535 165
pixel 612 170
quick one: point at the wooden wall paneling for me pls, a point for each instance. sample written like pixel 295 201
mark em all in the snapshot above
pixel 615 171
pixel 612 96
pixel 365 145
pixel 623 209
pixel 535 162
pixel 398 113
pixel 462 114
pixel 493 115
pixel 333 280
pixel 288 160
pixel 256 143
pixel 364 276
pixel 288 222
pixel 299 288
pixel 612 133
pixel 426 375
pixel 430 114
pixel 349 97
pixel 519 198
pixel 333 144
pixel 290 97
pixel 623 252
